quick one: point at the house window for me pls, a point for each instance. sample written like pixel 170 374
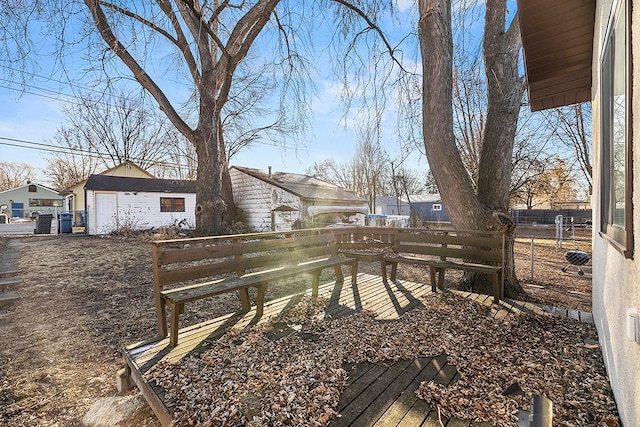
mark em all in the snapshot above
pixel 436 207
pixel 616 191
pixel 171 204
pixel 45 202
pixel 33 189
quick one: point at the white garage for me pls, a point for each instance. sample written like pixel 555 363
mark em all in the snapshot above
pixel 115 203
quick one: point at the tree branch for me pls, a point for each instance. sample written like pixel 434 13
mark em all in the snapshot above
pixel 374 27
pixel 140 19
pixel 139 74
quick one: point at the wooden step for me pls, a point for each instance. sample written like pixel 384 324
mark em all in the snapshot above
pixel 8 284
pixel 7 298
pixel 9 273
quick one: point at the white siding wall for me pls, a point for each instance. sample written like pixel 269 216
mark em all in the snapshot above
pixel 258 199
pixel 616 279
pixel 142 211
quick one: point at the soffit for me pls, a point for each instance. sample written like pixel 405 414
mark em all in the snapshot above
pixel 557 38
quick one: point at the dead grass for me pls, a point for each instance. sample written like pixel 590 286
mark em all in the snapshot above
pixel 83 298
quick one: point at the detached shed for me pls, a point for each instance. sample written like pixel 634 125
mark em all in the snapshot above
pixel 74 195
pixel 428 208
pixel 386 205
pixel 284 201
pixel 115 202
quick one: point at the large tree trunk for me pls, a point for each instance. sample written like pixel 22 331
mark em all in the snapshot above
pixel 465 208
pixel 505 88
pixel 452 179
pixel 210 206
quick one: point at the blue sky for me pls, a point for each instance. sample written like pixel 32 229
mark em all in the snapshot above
pixel 32 114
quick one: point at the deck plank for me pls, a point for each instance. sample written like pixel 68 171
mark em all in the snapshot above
pixel 392 391
pixel 398 409
pixel 360 385
pixel 358 406
pixel 355 371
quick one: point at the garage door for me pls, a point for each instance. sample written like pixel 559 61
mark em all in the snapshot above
pixel 106 211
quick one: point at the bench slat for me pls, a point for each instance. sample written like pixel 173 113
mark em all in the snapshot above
pixel 223 249
pixel 449 252
pixel 446 264
pixel 230 265
pixel 207 289
pixel 489 241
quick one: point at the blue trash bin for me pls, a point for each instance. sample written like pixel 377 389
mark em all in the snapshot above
pixel 65 222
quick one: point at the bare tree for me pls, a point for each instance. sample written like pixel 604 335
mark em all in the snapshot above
pixel 370 161
pixel 340 174
pixel 211 39
pixel 486 209
pixel 14 175
pixel 404 182
pixel 202 46
pixel 529 182
pixel 72 164
pixel 365 173
pixel 117 128
pixel 574 130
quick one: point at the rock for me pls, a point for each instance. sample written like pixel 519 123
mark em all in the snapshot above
pixel 109 411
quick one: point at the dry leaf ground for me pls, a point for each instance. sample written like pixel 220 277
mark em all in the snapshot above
pixel 85 297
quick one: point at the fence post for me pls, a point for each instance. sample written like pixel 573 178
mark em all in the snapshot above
pixel 559 227
pixel 532 244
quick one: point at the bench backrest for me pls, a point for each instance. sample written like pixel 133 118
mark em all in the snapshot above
pixel 477 246
pixel 185 260
pixel 480 246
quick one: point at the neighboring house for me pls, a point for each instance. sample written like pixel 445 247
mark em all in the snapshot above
pixel 386 205
pixel 428 208
pixel 117 203
pixel 75 196
pixel 571 204
pixel 284 201
pixel 577 51
pixel 27 200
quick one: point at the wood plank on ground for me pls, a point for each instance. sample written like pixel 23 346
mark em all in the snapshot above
pixel 398 409
pixel 391 392
pixel 420 412
pixel 360 385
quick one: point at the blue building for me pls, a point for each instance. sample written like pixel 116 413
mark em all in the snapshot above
pixel 428 208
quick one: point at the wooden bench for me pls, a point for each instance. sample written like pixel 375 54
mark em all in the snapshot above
pixel 187 270
pixel 471 251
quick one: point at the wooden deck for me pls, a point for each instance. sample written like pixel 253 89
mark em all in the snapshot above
pixel 377 395
pixel 507 306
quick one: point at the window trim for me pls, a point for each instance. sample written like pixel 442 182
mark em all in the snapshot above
pixel 173 204
pixel 436 207
pixel 621 238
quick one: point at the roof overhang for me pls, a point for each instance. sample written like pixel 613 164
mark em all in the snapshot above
pixel 316 210
pixel 557 39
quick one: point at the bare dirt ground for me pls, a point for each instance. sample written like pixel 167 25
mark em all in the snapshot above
pixel 84 298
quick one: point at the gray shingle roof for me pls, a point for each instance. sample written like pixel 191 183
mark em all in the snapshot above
pixel 304 186
pixel 151 185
